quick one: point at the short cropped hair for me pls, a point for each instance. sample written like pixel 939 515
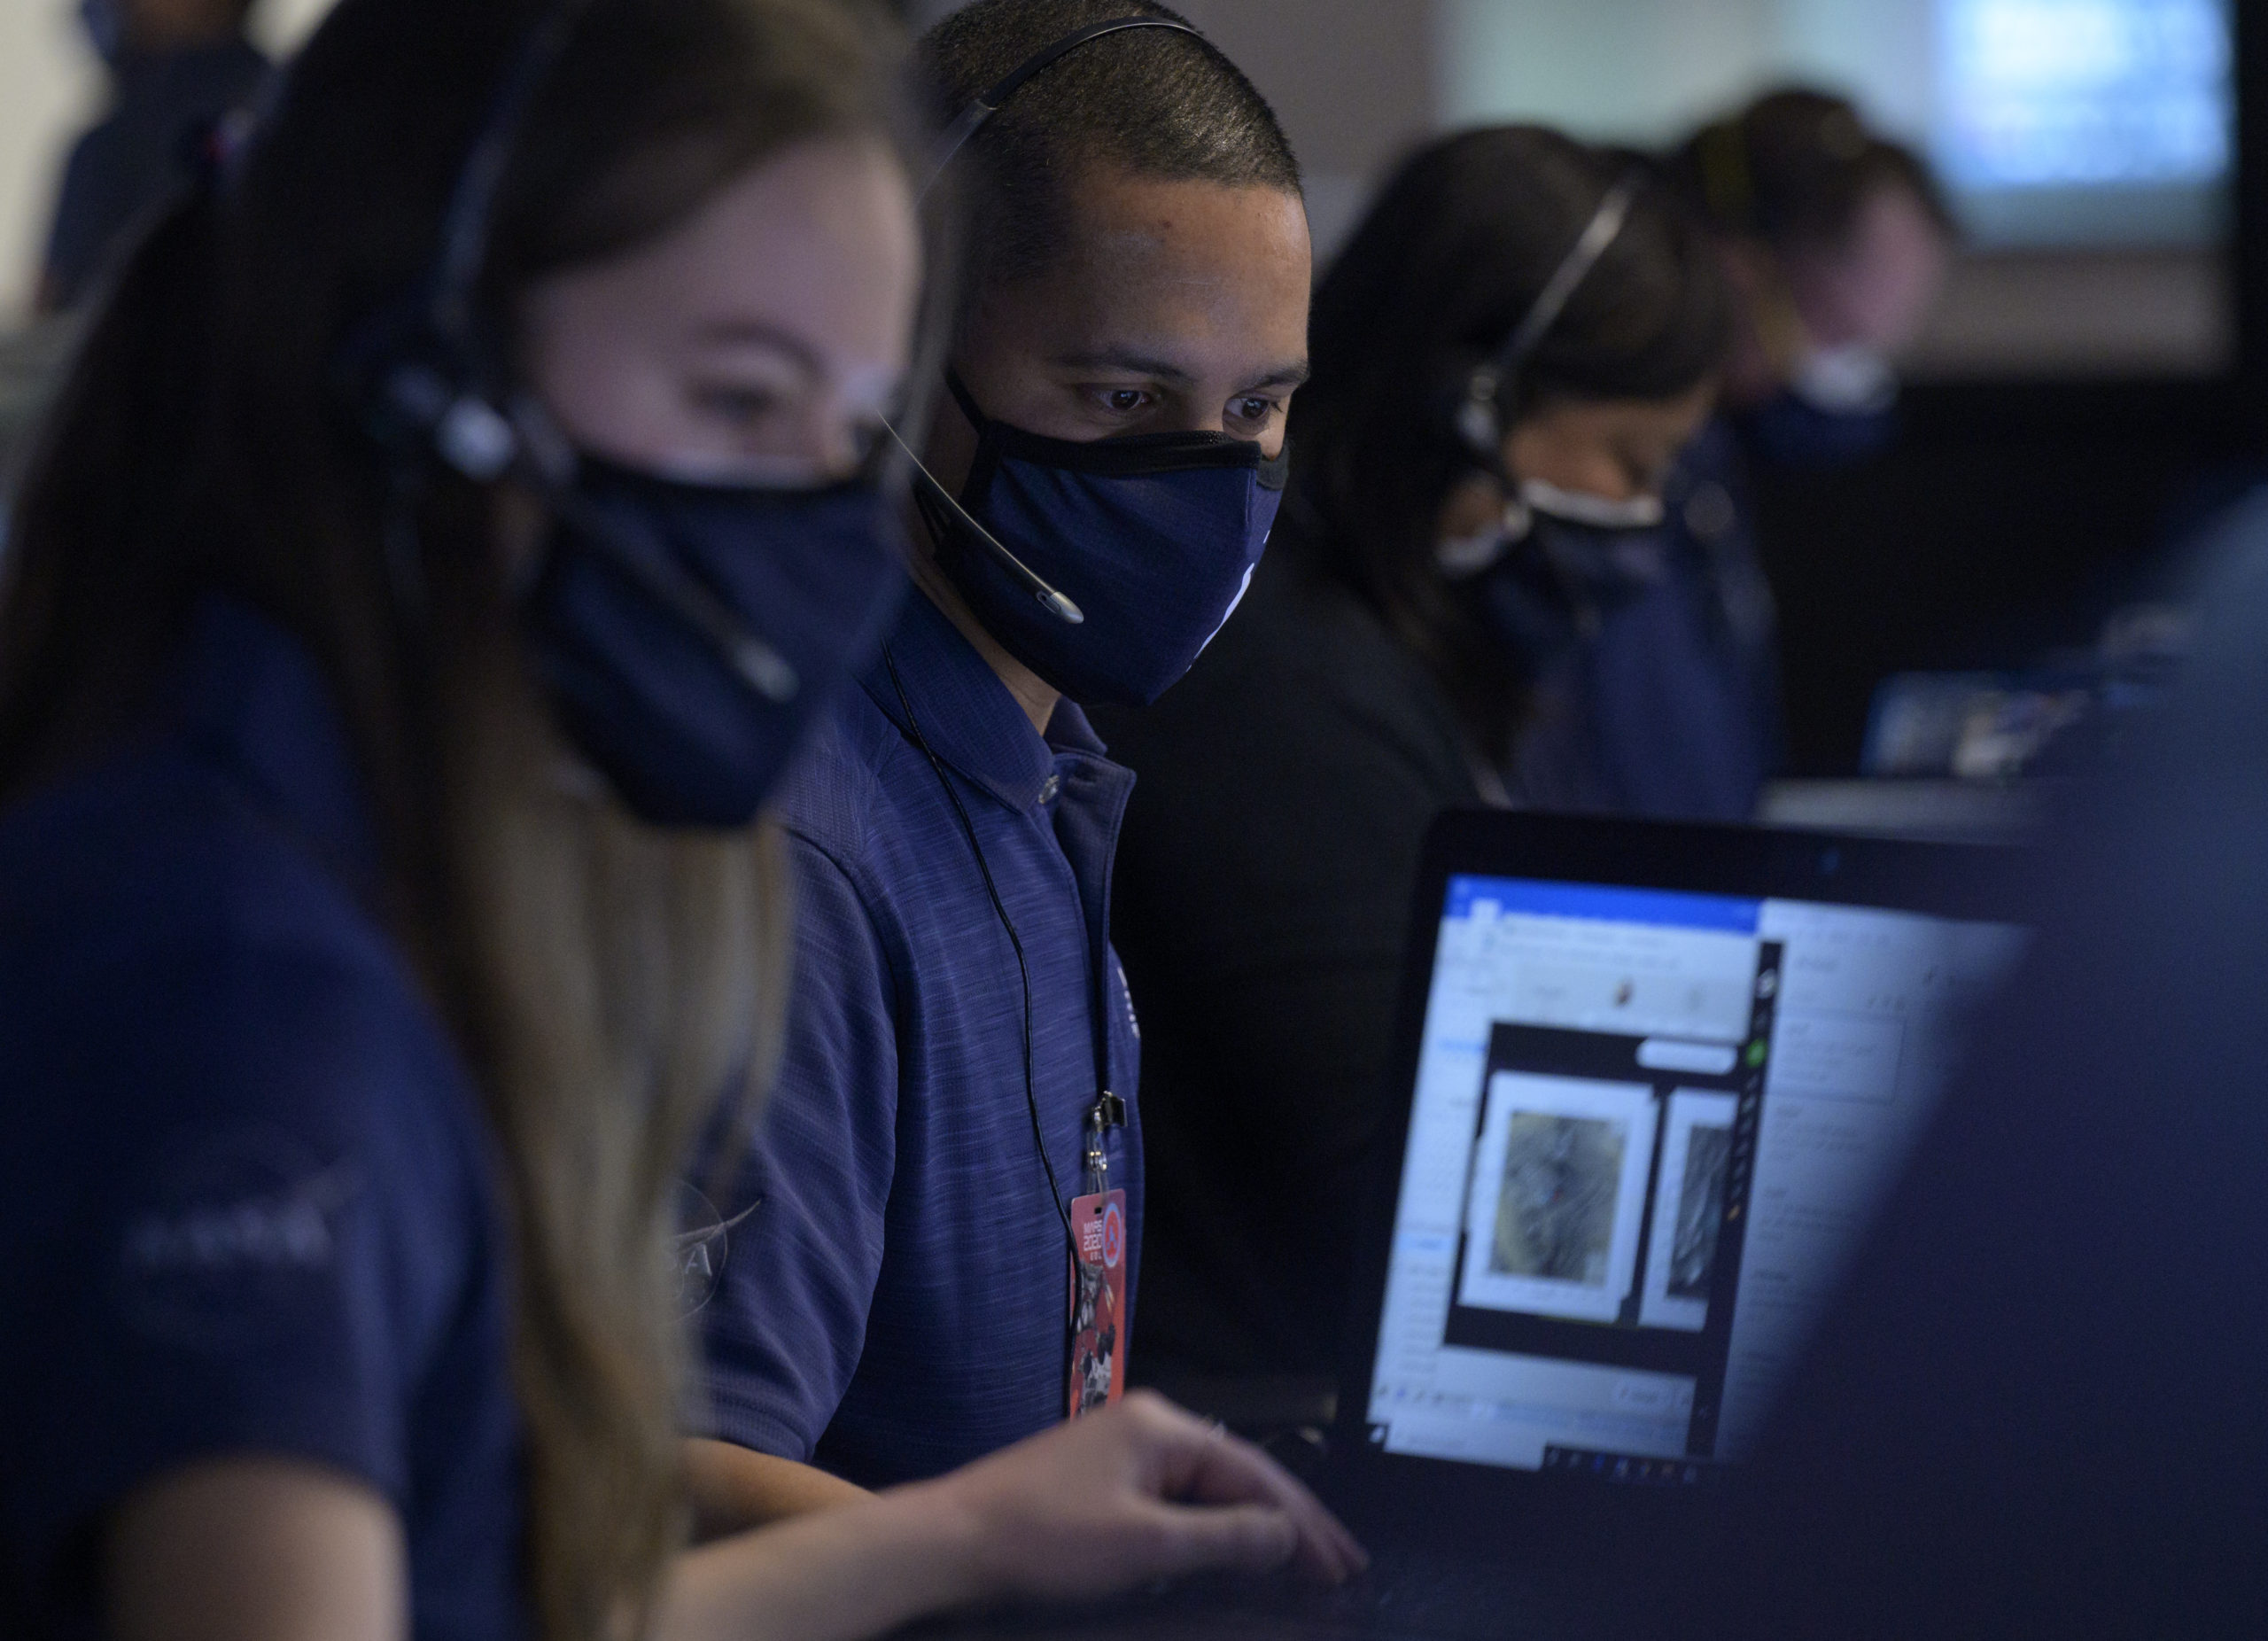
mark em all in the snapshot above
pixel 1158 103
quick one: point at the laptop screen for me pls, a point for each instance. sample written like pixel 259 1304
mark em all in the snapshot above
pixel 1646 1128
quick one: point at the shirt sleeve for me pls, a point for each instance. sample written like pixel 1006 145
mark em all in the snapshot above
pixel 205 1245
pixel 786 1326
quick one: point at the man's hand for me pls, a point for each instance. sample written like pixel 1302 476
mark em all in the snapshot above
pixel 1136 1492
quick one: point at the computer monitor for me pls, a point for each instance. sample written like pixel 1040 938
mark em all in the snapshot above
pixel 1658 1078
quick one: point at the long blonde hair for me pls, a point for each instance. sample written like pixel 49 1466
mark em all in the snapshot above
pixel 630 977
pixel 608 983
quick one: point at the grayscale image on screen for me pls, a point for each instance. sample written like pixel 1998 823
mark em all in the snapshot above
pixel 1700 1210
pixel 1555 1216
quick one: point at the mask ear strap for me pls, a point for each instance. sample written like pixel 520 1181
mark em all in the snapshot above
pixel 967 400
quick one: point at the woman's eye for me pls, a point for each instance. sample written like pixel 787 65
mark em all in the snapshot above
pixel 1252 409
pixel 1125 401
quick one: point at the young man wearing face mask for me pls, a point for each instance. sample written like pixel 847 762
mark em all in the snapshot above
pixel 957 1092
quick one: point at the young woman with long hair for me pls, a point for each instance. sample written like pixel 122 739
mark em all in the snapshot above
pixel 455 513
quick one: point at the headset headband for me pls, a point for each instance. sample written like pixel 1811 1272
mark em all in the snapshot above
pixel 463 249
pixel 972 118
pixel 1478 420
pixel 1603 229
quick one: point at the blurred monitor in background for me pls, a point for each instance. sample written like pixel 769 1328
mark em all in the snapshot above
pixel 2087 148
pixel 2086 123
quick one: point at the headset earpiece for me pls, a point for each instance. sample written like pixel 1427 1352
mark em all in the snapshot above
pixel 1479 420
pixel 412 374
pixel 413 391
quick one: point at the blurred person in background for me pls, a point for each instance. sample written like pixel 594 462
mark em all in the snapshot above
pixel 1837 241
pixel 1471 596
pixel 176 67
pixel 458 511
pixel 2034 1408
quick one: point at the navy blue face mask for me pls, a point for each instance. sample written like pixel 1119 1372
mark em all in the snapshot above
pixel 1544 580
pixel 692 727
pixel 1790 430
pixel 1153 539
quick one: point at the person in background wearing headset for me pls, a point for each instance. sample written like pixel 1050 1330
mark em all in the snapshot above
pixel 955 1112
pixel 1473 598
pixel 1837 242
pixel 175 65
pixel 456 514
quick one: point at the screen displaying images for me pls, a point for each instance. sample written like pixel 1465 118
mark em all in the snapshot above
pixel 1646 1128
pixel 1558 1196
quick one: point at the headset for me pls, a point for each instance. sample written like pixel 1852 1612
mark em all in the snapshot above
pixel 425 391
pixel 950 142
pixel 1479 419
pixel 1724 159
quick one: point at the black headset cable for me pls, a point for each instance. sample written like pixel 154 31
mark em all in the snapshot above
pixel 1000 911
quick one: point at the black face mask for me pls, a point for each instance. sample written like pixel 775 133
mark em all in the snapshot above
pixel 688 729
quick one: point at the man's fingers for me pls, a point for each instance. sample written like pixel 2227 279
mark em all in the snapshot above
pixel 1225 1470
pixel 1215 1471
pixel 1237 1538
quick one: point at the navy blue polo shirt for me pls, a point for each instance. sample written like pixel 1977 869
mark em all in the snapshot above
pixel 897 1305
pixel 246 1205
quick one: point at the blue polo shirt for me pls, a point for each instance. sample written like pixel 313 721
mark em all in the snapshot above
pixel 244 1195
pixel 898 1301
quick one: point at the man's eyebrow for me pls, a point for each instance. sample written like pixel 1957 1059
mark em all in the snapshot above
pixel 1290 374
pixel 1127 359
pixel 1287 374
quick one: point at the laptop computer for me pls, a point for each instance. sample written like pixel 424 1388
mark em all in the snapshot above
pixel 1651 1080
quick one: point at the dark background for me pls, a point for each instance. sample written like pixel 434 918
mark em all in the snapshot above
pixel 2011 518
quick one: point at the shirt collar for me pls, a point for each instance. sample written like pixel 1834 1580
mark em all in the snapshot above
pixel 965 713
pixel 253 699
